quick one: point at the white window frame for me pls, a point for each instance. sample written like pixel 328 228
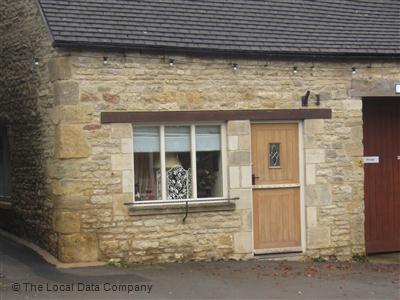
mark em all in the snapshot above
pixel 192 126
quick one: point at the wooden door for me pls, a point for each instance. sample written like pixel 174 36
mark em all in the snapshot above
pixel 276 187
pixel 382 174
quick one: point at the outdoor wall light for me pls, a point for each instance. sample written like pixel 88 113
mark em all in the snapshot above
pixel 304 99
pixel 234 67
pixel 105 60
pixel 171 62
pixel 317 99
pixel 353 70
pixel 36 61
pixel 294 70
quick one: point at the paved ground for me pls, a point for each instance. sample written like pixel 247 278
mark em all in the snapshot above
pixel 25 275
pixel 388 258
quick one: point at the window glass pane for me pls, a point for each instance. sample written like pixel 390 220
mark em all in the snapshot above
pixel 208 138
pixel 177 139
pixel 146 139
pixel 274 155
pixel 209 174
pixel 178 162
pixel 147 176
pixel 208 161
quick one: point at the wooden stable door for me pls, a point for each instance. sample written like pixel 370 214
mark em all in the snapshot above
pixel 382 174
pixel 276 188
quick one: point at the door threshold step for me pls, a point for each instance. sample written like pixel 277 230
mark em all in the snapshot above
pixel 290 256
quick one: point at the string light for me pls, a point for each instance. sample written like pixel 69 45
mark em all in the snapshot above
pixel 368 65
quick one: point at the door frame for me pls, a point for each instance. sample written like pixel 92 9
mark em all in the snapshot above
pixel 303 240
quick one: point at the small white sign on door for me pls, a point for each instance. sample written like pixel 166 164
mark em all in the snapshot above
pixel 371 159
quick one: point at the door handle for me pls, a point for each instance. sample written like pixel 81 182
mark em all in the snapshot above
pixel 253 179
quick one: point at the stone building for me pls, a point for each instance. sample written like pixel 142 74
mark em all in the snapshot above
pixel 154 131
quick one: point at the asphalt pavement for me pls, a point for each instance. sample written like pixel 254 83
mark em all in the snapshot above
pixel 25 275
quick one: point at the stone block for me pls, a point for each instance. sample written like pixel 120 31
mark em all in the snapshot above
pixel 59 68
pixel 318 237
pixel 111 98
pixel 66 221
pixel 127 145
pixel 119 200
pixel 238 127
pixel 121 162
pixel 244 142
pixel 66 92
pixel 127 181
pixel 78 114
pixel 353 104
pixel 354 149
pixel 356 133
pixel 247 219
pixel 101 199
pixel 245 177
pixel 310 174
pixel 71 142
pixel 89 97
pixel 71 202
pixel 239 158
pixel 377 88
pixel 245 198
pixel 78 247
pixel 312 216
pixel 315 156
pixel 71 186
pixel 233 143
pixel 310 141
pixel 119 131
pixel 357 229
pixel 312 126
pixel 318 194
pixel 242 242
pixel 234 177
pixel 145 245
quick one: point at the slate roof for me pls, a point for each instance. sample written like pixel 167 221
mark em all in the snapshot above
pixel 317 27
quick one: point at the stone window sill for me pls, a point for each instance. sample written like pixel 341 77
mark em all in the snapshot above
pixel 169 208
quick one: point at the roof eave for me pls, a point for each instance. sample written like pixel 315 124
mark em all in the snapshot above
pixel 218 52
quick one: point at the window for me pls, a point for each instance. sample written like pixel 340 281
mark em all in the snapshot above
pixel 5 186
pixel 173 162
pixel 274 155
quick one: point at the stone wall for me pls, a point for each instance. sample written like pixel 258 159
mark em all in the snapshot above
pixel 25 99
pixel 71 175
pixel 92 179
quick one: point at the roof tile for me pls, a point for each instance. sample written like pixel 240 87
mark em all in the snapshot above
pixel 254 26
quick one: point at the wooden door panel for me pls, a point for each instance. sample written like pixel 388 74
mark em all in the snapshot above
pixel 382 180
pixel 286 135
pixel 276 218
